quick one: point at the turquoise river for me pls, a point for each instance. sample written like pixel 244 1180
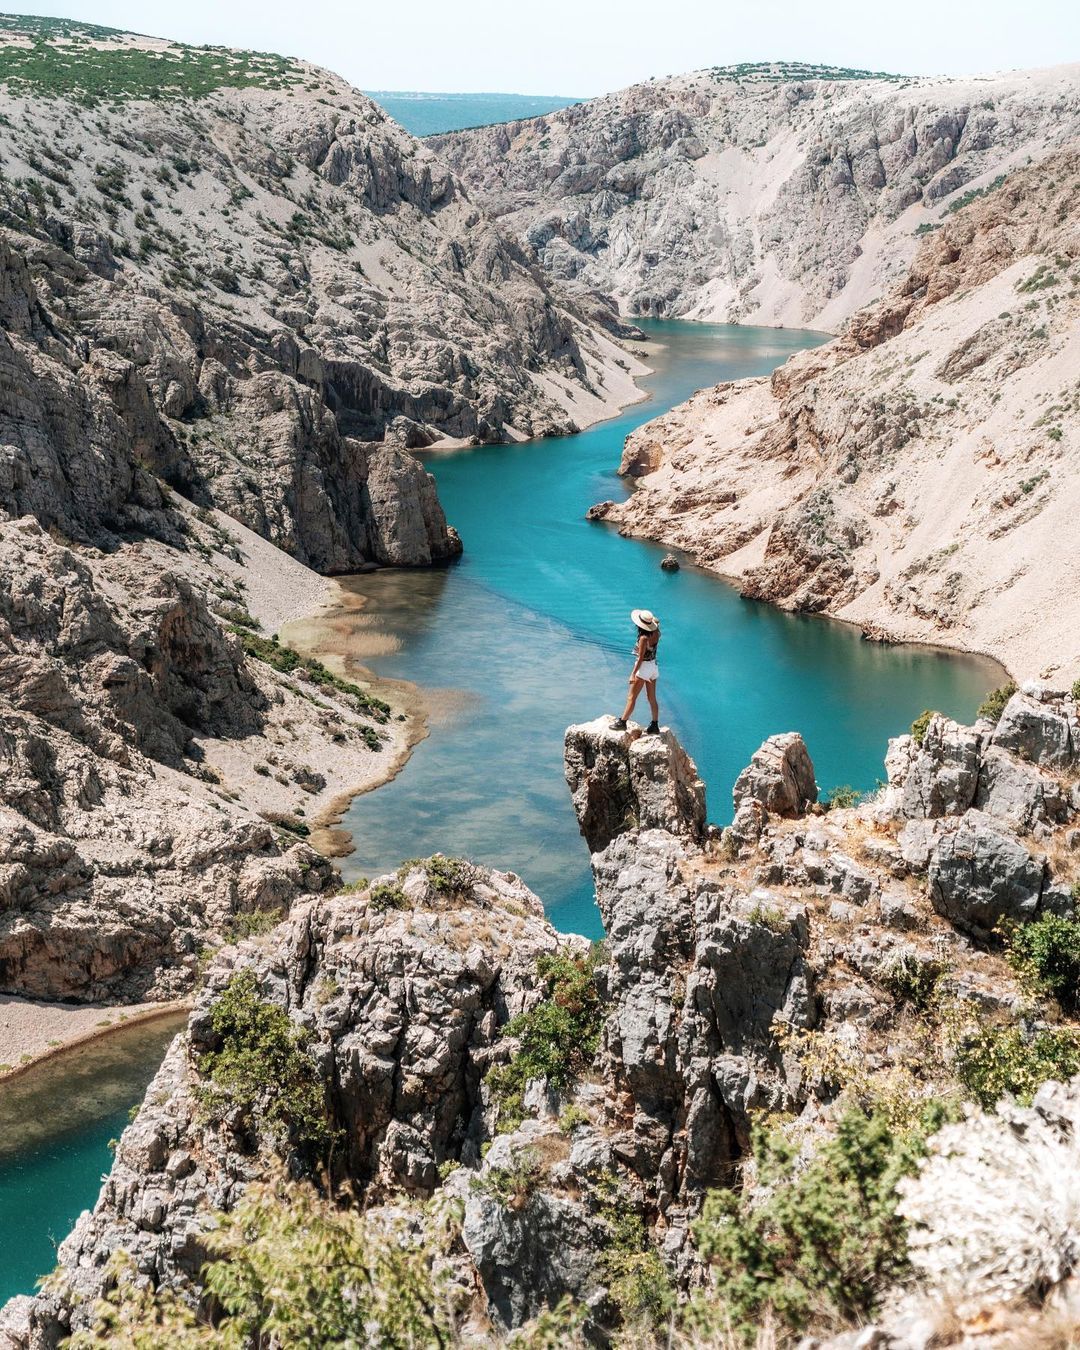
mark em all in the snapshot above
pixel 529 632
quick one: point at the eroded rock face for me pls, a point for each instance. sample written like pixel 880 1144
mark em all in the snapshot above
pixel 268 327
pixel 825 487
pixel 780 776
pixel 405 1005
pixel 695 1053
pixel 754 195
pixel 620 780
pixel 717 965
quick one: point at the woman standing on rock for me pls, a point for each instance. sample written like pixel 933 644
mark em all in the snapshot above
pixel 645 671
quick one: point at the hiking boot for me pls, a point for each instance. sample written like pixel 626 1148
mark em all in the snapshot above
pixel 652 729
pixel 619 724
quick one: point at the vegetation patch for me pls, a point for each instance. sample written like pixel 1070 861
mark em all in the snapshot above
pixel 824 1238
pixel 454 878
pixel 637 1279
pixel 288 661
pixel 557 1040
pixel 997 1061
pixel 913 982
pixel 993 705
pixel 252 923
pixel 61 58
pixel 387 895
pixel 838 798
pixel 921 724
pixel 288 1268
pixel 264 1070
pixel 1046 957
pixel 973 194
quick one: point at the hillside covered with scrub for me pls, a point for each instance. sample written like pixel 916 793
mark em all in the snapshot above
pixel 730 1123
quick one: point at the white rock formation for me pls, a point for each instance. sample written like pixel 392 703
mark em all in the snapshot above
pixel 765 195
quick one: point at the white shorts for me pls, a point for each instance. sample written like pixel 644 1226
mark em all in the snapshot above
pixel 648 670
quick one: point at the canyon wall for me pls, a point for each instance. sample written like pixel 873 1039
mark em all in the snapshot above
pixel 920 475
pixel 781 195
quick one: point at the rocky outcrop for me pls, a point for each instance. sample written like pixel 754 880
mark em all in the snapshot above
pixel 780 776
pixel 918 475
pixel 265 297
pixel 722 957
pixel 777 195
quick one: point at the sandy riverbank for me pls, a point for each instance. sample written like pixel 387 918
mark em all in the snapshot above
pixel 32 1030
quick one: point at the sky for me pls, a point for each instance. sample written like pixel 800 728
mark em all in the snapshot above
pixel 585 47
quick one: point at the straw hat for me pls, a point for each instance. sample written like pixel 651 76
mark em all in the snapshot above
pixel 646 619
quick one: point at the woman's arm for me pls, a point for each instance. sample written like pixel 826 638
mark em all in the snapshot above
pixel 639 654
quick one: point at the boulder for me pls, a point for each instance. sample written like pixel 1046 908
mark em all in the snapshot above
pixel 1032 730
pixel 980 876
pixel 1017 794
pixel 780 776
pixel 942 774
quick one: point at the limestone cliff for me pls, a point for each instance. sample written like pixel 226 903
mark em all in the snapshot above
pixel 233 296
pixel 775 195
pixel 767 970
pixel 275 289
pixel 920 475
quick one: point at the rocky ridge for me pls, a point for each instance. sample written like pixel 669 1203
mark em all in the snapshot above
pixel 280 291
pixel 233 295
pixel 920 475
pixel 776 195
pixel 732 962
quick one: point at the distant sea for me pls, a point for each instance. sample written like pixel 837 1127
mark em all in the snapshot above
pixel 425 114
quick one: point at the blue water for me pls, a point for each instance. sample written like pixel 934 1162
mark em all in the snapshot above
pixel 56 1121
pixel 426 114
pixel 530 632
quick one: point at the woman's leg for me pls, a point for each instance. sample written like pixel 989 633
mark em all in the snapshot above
pixel 650 694
pixel 635 689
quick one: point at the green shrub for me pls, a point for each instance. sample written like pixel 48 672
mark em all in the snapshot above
pixel 994 1062
pixel 919 726
pixel 1046 957
pixel 264 1069
pixel 252 923
pixel 823 1240
pixel 1076 690
pixel 913 982
pixel 287 1269
pixel 387 895
pixel 993 705
pixel 447 876
pixel 557 1040
pixel 637 1279
pixel 514 1184
pixel 841 797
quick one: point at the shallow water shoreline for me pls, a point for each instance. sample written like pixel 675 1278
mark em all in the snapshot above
pixel 112 1018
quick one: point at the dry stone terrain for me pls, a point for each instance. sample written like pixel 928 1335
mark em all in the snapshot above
pixel 732 963
pixel 775 195
pixel 920 475
pixel 232 296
